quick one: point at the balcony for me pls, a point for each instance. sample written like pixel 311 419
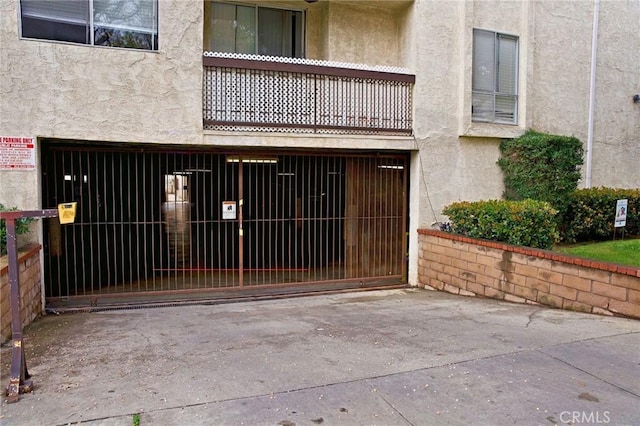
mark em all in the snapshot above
pixel 277 94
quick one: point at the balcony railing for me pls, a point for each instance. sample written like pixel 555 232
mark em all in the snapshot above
pixel 258 93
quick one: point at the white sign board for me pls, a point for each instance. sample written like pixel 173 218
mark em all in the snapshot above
pixel 17 153
pixel 621 213
pixel 228 210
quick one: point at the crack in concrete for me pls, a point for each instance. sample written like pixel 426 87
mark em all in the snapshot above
pixel 531 315
pixel 396 410
pixel 591 374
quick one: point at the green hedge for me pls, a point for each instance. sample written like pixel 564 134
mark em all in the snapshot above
pixel 590 214
pixel 525 223
pixel 542 167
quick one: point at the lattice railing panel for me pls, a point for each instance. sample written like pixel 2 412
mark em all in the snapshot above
pixel 247 95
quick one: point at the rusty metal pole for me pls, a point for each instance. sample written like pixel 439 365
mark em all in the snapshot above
pixel 19 380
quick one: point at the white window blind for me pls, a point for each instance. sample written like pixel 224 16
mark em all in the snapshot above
pixel 116 23
pixel 76 12
pixel 131 15
pixel 256 30
pixel 495 77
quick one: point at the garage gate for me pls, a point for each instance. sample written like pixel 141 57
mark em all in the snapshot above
pixel 186 222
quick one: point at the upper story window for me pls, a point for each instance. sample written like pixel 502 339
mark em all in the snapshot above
pixel 118 23
pixel 254 30
pixel 495 77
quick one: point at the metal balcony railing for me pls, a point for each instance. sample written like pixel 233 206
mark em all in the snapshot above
pixel 259 93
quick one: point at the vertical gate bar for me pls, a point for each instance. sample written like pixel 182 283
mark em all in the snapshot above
pixel 88 207
pixel 378 209
pixel 268 223
pixel 278 235
pixel 308 221
pixel 222 226
pixel 368 246
pixel 260 173
pixel 217 223
pixel 184 260
pixel 118 247
pixel 82 202
pixel 199 222
pixel 229 229
pixel 72 227
pixel 338 221
pixel 308 214
pixel 240 225
pixel 165 253
pixel 136 219
pixel 150 216
pixel 187 274
pixel 149 256
pixel 100 217
pixel 293 201
pixel 404 252
pixel 286 214
pixel 112 222
pixel 332 200
pixel 66 251
pixel 324 228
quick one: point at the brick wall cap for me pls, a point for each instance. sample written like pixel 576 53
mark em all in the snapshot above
pixel 542 254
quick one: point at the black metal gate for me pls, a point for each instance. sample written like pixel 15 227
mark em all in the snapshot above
pixel 173 221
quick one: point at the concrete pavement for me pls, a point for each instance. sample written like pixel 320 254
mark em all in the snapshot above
pixel 392 357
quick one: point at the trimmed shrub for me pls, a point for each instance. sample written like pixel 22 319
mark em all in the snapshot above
pixel 528 223
pixel 541 167
pixel 590 214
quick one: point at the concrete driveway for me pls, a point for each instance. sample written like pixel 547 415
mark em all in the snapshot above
pixel 392 357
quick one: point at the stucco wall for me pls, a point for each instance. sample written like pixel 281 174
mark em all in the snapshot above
pixel 351 28
pixel 560 92
pixel 458 156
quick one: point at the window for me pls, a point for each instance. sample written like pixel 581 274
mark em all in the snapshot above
pixel 254 30
pixel 495 82
pixel 117 23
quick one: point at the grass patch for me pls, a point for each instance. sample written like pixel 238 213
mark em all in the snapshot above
pixel 625 252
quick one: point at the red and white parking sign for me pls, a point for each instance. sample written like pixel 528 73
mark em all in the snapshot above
pixel 17 153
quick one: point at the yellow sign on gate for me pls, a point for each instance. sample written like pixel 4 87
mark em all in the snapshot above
pixel 67 212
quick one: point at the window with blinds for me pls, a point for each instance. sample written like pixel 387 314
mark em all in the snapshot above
pixel 495 77
pixel 254 30
pixel 117 23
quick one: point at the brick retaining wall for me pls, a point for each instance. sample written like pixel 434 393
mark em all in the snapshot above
pixel 471 267
pixel 30 289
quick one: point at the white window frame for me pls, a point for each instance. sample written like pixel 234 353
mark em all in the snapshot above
pixel 91 26
pixel 485 101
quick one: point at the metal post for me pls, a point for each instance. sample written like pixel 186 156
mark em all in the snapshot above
pixel 19 380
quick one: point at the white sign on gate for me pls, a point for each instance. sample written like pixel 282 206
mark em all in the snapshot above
pixel 621 213
pixel 229 210
pixel 17 153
